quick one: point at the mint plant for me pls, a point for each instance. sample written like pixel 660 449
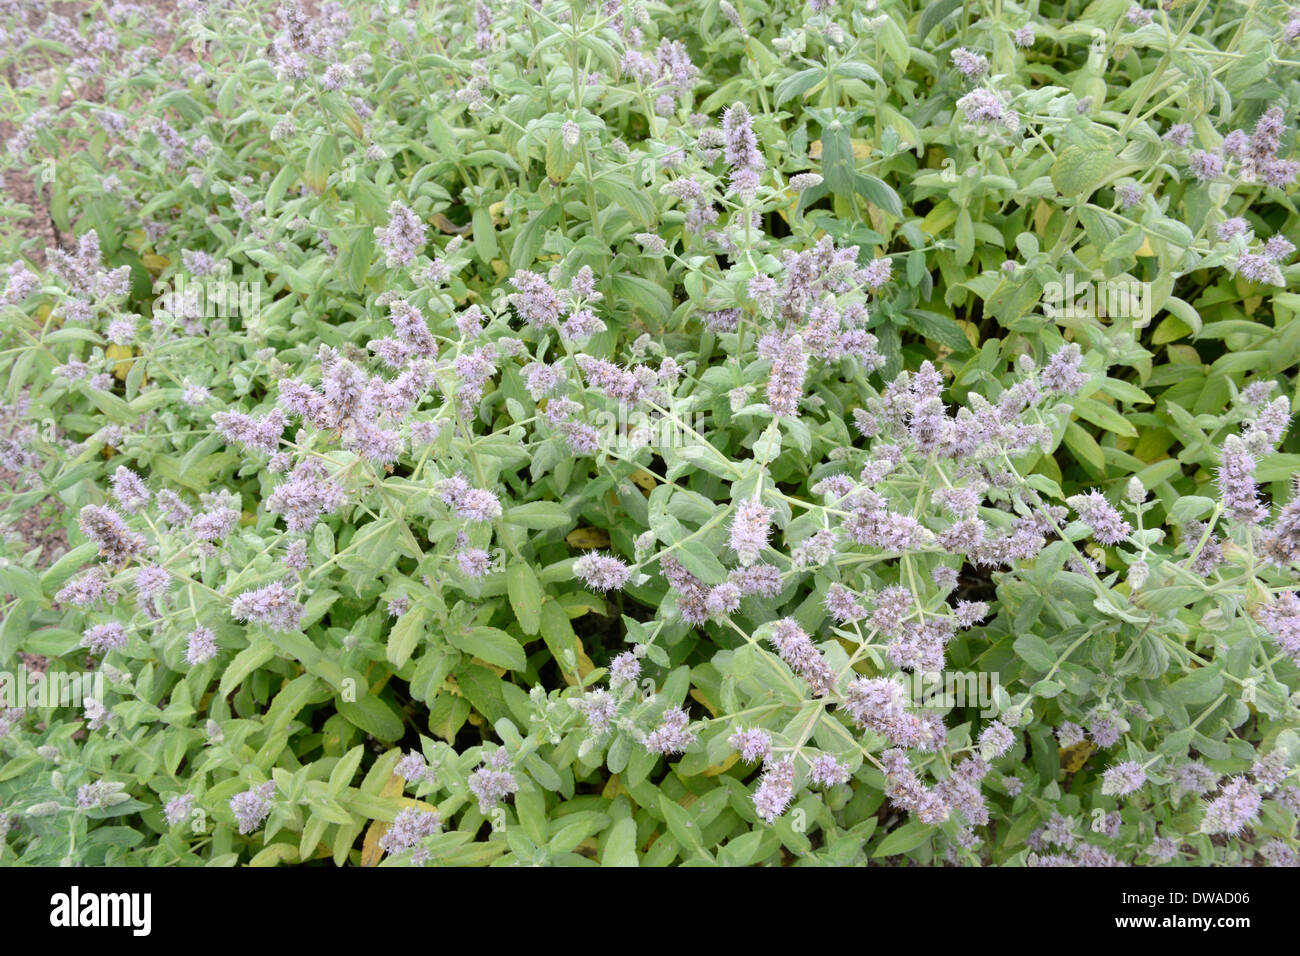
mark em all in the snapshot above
pixel 647 434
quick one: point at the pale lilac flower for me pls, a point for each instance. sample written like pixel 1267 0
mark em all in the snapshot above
pixel 1232 228
pixel 1236 806
pixel 106 529
pixel 624 669
pixel 826 771
pixel 408 830
pixel 1068 734
pixel 1179 135
pixel 602 572
pixel 1281 618
pixel 253 806
pixel 403 238
pixel 200 645
pixel 673 735
pixel 754 745
pixel 1105 523
pixel 492 782
pixel 102 638
pixel 1123 778
pixel 996 739
pixel 971 65
pixel 1237 482
pixel 536 302
pixel 1136 16
pixel 789 368
pixel 273 606
pixel 1130 194
pixel 178 808
pixel 796 648
pixel 1205 166
pixel 151 583
pixel 750 527
pixel 775 789
pixel 1063 372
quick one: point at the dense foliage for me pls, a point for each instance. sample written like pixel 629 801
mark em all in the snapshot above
pixel 546 432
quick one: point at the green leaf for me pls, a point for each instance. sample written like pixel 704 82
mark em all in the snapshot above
pixel 934 13
pixel 798 84
pixel 634 201
pixel 539 515
pixel 525 595
pixel 1104 416
pixel 372 715
pixel 620 844
pixel 879 193
pixel 1086 450
pixel 939 328
pixel 406 634
pixel 491 644
pixel 1035 652
pixel 1078 171
pixel 907 837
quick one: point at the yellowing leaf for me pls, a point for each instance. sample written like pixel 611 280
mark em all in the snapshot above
pixel 587 538
pixel 121 354
pixel 275 853
pixel 939 218
pixel 446 225
pixel 1042 216
pixel 1074 757
pixel 371 853
pixel 699 695
pixel 719 768
pixel 861 149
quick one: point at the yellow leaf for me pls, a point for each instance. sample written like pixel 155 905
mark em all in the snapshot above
pixel 498 212
pixel 723 767
pixel 154 262
pixel 940 218
pixel 353 122
pixel 121 354
pixel 585 663
pixel 644 480
pixel 1074 757
pixel 371 853
pixel 861 149
pixel 1145 249
pixel 499 267
pixel 708 704
pixel 578 604
pixel 446 225
pixel 587 538
pixel 613 787
pixel 275 853
pixel 1042 216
